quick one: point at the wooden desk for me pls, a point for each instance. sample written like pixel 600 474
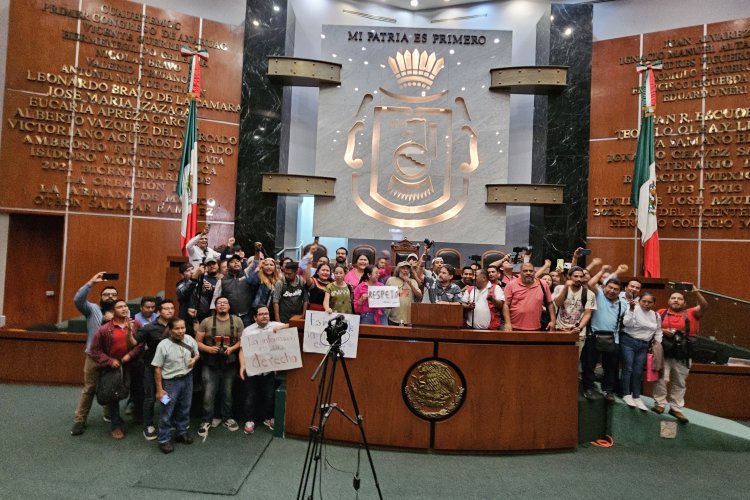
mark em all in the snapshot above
pixel 520 390
pixel 42 357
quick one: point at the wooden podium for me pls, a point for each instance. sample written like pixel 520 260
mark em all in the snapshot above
pixel 441 315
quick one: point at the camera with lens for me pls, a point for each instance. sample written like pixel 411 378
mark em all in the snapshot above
pixel 429 243
pixel 336 329
pixel 475 258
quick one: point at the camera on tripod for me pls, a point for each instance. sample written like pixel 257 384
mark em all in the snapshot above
pixel 336 329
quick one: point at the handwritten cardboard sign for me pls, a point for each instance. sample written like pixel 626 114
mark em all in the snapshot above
pixel 314 339
pixel 383 296
pixel 272 351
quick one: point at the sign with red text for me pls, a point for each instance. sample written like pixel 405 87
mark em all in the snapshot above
pixel 383 296
pixel 272 351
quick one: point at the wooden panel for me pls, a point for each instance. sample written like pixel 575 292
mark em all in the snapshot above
pixel 529 79
pixel 96 243
pixel 525 194
pixel 612 75
pixel 42 358
pixel 303 72
pixel 518 397
pixel 378 393
pixel 298 184
pixel 147 276
pixel 723 268
pixel 35 245
pixel 445 315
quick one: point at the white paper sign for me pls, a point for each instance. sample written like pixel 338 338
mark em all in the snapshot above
pixel 272 351
pixel 383 296
pixel 314 339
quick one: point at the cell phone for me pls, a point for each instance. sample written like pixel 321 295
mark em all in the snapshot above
pixel 317 239
pixel 683 287
pixel 566 265
pixel 111 276
pixel 586 251
pixel 560 263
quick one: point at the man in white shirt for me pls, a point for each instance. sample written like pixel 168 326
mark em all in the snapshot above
pixel 484 303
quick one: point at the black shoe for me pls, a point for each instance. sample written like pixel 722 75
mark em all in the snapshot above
pixel 184 439
pixel 588 394
pixel 78 428
pixel 678 415
pixel 166 447
pixel 609 396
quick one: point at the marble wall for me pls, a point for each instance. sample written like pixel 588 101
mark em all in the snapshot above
pixel 560 152
pixel 262 130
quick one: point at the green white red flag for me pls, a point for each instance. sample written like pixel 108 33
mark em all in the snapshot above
pixel 187 182
pixel 643 194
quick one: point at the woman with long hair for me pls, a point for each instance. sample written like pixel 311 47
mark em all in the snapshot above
pixel 262 280
pixel 339 294
pixel 640 325
pixel 316 286
pixel 368 315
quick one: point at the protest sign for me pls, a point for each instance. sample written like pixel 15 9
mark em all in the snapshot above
pixel 314 338
pixel 383 296
pixel 271 351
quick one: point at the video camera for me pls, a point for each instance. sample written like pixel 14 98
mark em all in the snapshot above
pixel 336 329
pixel 517 250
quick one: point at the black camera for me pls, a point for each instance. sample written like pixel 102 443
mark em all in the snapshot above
pixel 428 242
pixel 682 287
pixel 475 258
pixel 336 329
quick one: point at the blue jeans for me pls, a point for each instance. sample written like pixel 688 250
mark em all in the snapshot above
pixel 180 392
pixel 633 353
pixel 212 377
pixel 149 396
pixel 370 318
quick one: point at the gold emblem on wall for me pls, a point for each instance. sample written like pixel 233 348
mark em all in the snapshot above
pixel 434 389
pixel 413 179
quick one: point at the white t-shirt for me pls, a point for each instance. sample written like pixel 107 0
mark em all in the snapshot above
pixel 480 317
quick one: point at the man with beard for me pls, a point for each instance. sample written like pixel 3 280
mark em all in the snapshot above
pixel 467 278
pixel 524 300
pixel 442 290
pixel 149 336
pixel 289 294
pixel 185 290
pixel 575 304
pixel 93 314
pixel 676 319
pixel 341 254
pixel 236 287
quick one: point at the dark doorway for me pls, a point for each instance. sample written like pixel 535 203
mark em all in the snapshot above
pixel 32 279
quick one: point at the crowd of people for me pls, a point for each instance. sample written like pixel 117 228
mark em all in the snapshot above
pixel 167 350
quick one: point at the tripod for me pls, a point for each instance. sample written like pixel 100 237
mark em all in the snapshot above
pixel 313 470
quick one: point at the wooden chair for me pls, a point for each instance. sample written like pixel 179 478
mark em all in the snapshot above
pixel 367 250
pixel 322 251
pixel 451 256
pixel 491 256
pixel 401 250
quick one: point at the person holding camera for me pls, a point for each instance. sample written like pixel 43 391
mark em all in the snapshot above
pixel 640 326
pixel 677 322
pixel 218 341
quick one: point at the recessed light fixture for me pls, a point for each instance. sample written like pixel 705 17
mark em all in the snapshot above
pixel 496 40
pixel 568 31
pixel 322 36
pixel 255 22
pixel 276 8
pixel 414 3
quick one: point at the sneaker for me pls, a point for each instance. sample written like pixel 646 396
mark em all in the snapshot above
pixel 628 400
pixel 118 434
pixel 609 396
pixel 249 427
pixel 658 409
pixel 78 428
pixel 184 439
pixel 215 422
pixel 231 425
pixel 679 416
pixel 150 433
pixel 203 429
pixel 166 447
pixel 640 404
pixel 269 423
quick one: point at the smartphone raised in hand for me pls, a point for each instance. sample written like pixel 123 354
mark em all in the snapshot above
pixel 111 276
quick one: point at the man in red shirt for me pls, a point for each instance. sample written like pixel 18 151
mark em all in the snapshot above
pixel 677 318
pixel 524 300
pixel 114 345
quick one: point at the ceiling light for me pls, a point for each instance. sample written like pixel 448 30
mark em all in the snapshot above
pixel 414 3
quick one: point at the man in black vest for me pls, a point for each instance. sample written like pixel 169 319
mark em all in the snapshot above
pixel 289 294
pixel 218 339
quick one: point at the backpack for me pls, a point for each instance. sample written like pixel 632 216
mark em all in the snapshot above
pixel 681 345
pixel 113 385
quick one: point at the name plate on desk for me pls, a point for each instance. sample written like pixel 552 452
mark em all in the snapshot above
pixel 446 315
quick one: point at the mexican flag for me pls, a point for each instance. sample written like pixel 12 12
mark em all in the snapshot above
pixel 643 194
pixel 187 182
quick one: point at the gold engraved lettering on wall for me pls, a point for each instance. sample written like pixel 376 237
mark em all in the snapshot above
pixel 414 180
